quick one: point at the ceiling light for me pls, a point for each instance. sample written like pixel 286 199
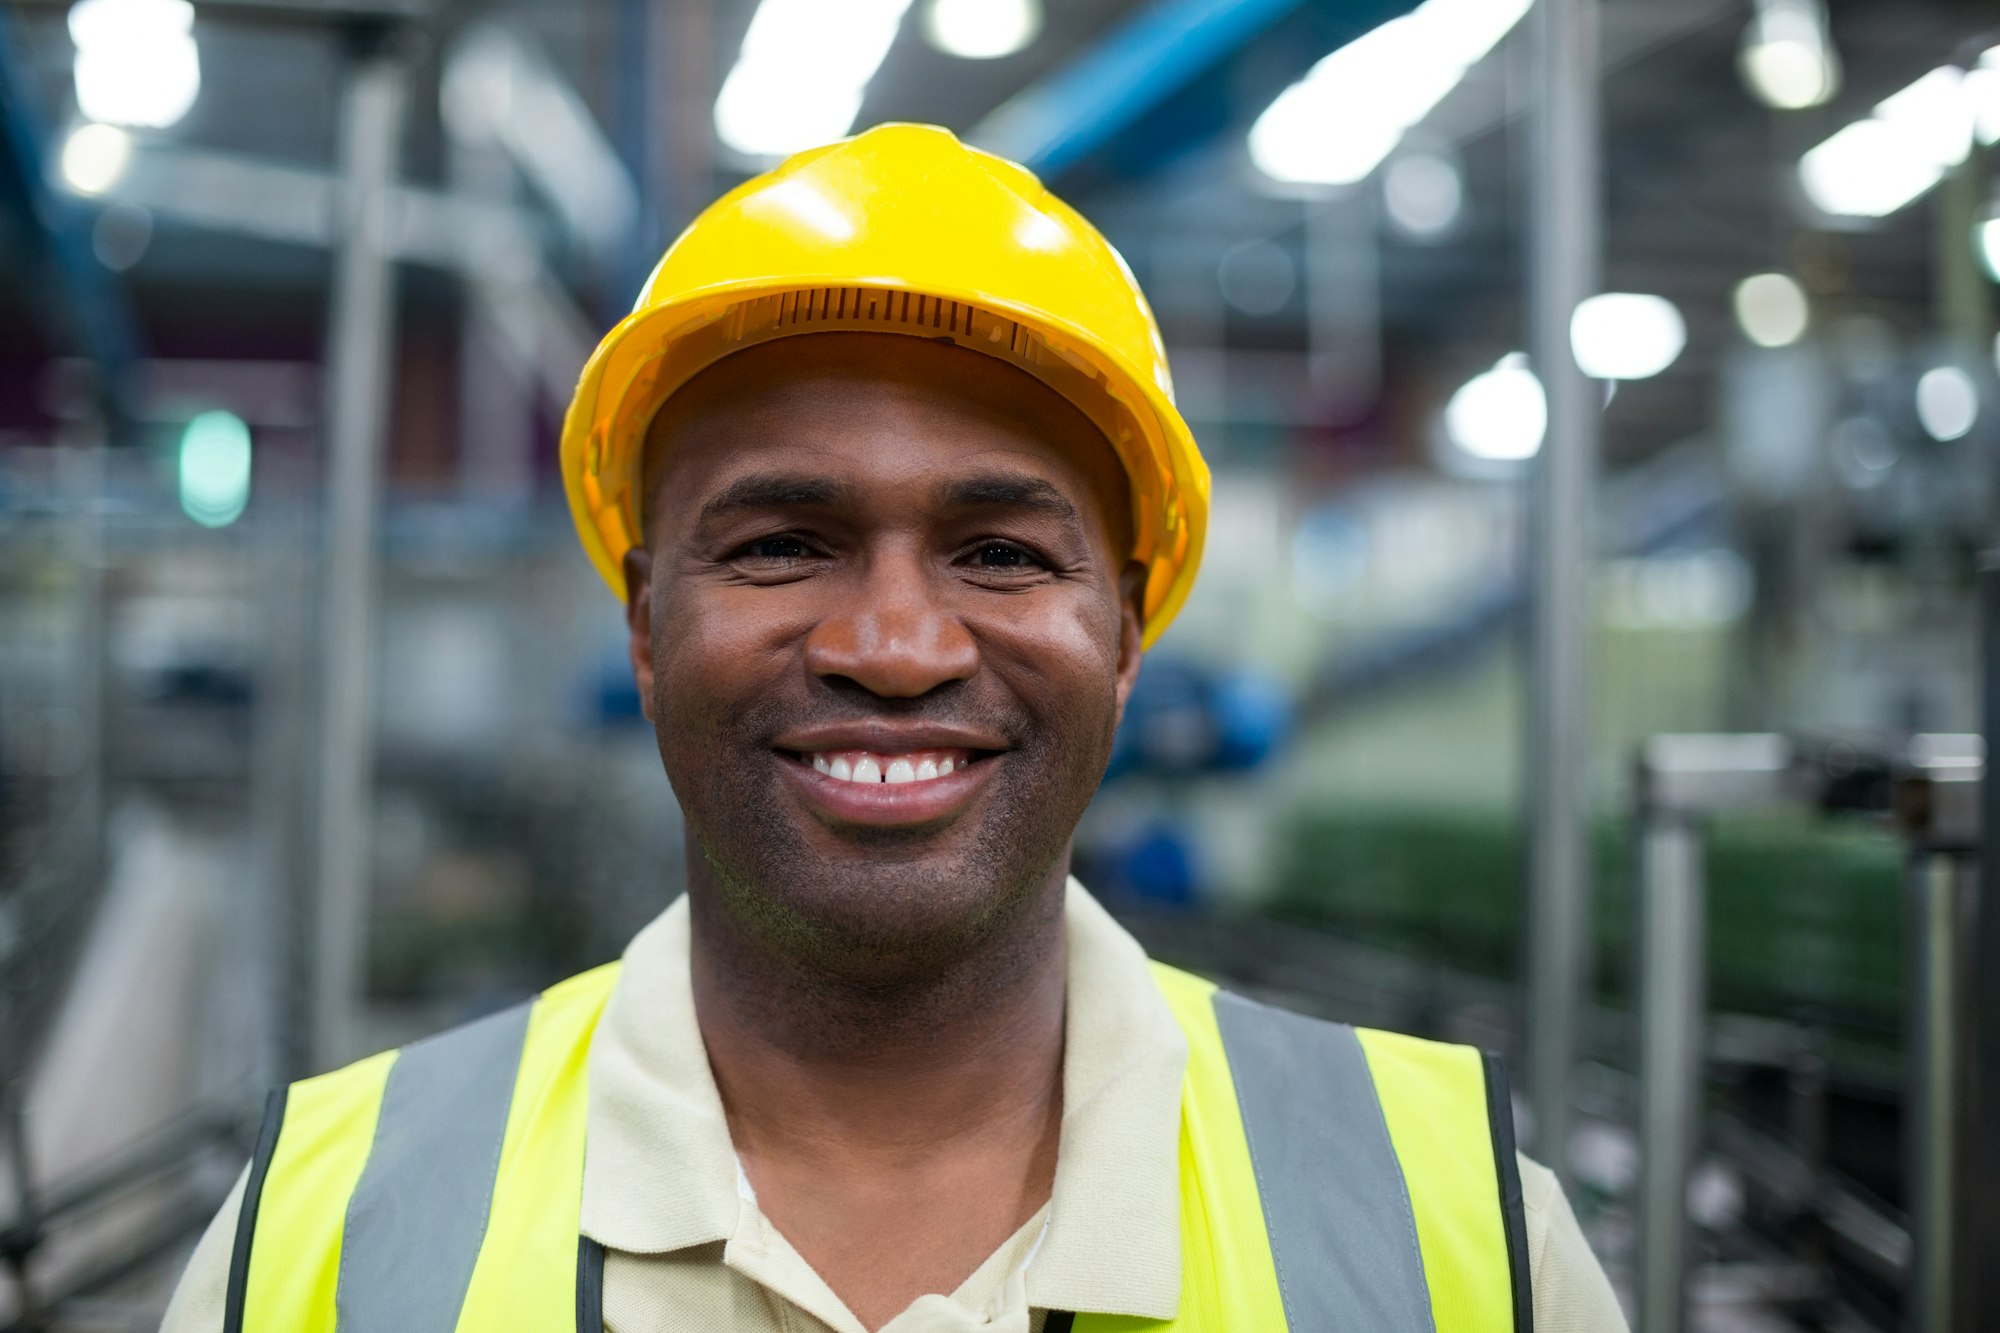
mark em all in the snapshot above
pixel 1947 402
pixel 982 29
pixel 136 62
pixel 1499 415
pixel 1982 93
pixel 94 157
pixel 215 469
pixel 1423 194
pixel 1986 241
pixel 1373 89
pixel 1875 166
pixel 1787 58
pixel 1626 335
pixel 1771 309
pixel 805 64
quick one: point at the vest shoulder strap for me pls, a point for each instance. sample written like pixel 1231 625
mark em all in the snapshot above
pixel 400 1168
pixel 1345 1177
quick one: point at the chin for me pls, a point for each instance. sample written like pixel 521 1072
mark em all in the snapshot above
pixel 874 905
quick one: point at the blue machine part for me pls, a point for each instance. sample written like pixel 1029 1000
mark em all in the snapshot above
pixel 1184 720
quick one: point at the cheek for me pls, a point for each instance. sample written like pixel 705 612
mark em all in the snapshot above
pixel 711 660
pixel 1064 662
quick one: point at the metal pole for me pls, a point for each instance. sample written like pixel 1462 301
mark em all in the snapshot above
pixel 1939 884
pixel 1672 968
pixel 1980 1169
pixel 373 103
pixel 1563 252
pixel 1938 805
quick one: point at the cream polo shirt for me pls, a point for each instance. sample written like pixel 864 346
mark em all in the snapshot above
pixel 688 1251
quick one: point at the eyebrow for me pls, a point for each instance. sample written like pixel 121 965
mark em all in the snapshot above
pixel 1003 491
pixel 769 490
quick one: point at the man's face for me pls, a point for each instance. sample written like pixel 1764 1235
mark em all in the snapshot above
pixel 884 628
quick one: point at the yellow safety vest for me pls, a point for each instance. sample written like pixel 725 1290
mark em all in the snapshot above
pixel 1330 1178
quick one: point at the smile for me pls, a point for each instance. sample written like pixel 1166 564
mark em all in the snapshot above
pixel 860 780
pixel 871 766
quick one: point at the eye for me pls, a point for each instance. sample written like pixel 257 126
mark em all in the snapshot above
pixel 780 548
pixel 1005 555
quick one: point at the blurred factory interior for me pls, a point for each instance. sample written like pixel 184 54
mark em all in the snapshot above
pixel 1651 758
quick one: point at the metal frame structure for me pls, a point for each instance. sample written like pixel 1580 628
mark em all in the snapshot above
pixel 1934 793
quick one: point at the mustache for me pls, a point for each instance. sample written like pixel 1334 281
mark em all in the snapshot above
pixel 829 704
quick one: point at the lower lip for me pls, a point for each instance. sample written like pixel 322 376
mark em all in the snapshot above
pixel 889 804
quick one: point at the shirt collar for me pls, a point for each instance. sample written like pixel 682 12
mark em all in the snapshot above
pixel 660 1174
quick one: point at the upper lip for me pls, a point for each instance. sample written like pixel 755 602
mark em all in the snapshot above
pixel 881 737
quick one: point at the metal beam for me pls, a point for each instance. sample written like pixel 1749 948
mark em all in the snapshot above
pixel 1563 262
pixel 373 106
pixel 497 247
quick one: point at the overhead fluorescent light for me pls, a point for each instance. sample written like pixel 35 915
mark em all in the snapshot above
pixel 1500 415
pixel 1875 166
pixel 1771 309
pixel 1350 111
pixel 1787 58
pixel 982 29
pixel 94 157
pixel 1626 335
pixel 136 62
pixel 805 64
pixel 1947 403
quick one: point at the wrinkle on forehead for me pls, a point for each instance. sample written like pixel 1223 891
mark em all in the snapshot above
pixel 848 382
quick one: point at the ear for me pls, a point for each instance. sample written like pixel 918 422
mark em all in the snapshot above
pixel 1131 628
pixel 639 623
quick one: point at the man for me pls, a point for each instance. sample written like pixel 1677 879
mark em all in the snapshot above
pixel 886 469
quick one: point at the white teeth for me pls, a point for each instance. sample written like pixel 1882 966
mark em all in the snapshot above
pixel 888 769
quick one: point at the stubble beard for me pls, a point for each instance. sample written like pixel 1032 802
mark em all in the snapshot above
pixel 905 922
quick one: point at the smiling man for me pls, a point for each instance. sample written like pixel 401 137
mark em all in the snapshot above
pixel 886 469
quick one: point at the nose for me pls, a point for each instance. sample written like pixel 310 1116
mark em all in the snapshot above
pixel 890 634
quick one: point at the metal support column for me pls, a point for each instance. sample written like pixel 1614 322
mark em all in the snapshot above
pixel 1563 253
pixel 1681 781
pixel 1979 1171
pixel 1939 894
pixel 1937 806
pixel 359 350
pixel 1672 971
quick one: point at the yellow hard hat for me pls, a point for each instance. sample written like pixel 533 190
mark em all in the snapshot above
pixel 901 229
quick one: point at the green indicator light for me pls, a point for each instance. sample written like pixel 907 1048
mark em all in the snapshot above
pixel 215 469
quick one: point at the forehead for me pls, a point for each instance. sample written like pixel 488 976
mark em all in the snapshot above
pixel 879 409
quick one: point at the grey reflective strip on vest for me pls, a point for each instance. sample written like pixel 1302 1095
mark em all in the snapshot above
pixel 1342 1234
pixel 418 1214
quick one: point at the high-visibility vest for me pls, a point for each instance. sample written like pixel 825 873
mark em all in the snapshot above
pixel 1331 1178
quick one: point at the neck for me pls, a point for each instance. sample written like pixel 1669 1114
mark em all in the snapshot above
pixel 808 1059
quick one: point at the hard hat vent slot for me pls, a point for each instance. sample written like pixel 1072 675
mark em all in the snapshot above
pixel 852 307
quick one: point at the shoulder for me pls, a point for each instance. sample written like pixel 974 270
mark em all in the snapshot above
pixel 1571 1291
pixel 198 1300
